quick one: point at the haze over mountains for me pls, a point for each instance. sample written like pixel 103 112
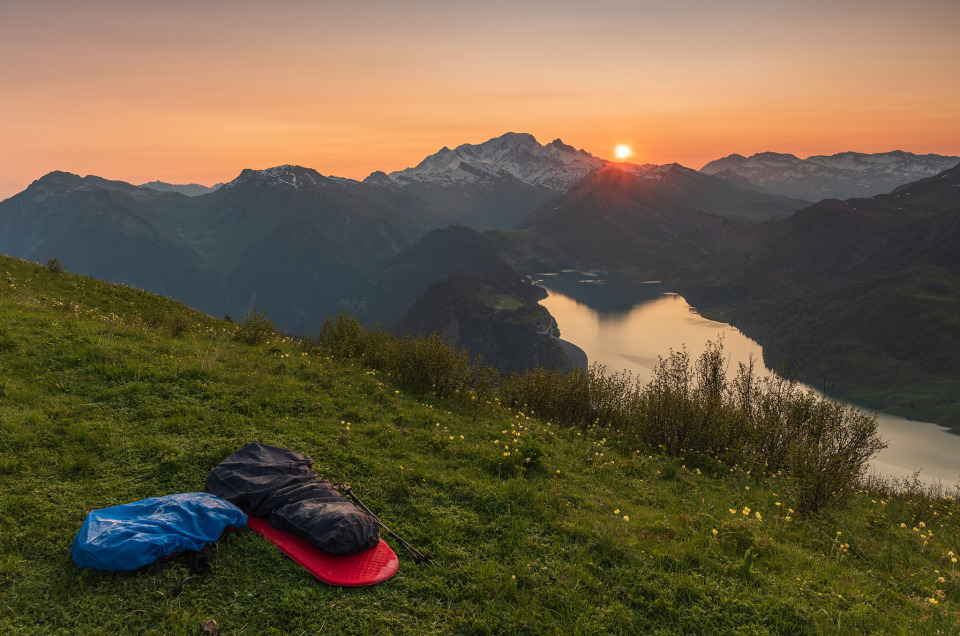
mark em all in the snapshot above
pixel 302 246
pixel 190 189
pixel 841 176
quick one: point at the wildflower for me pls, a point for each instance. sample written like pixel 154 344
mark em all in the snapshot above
pixel 757 515
pixel 746 511
pixel 903 525
pixel 932 601
pixel 506 453
pixel 777 504
pixel 732 511
pixel 953 559
pixel 626 517
pixel 617 511
pixel 714 531
pixel 787 518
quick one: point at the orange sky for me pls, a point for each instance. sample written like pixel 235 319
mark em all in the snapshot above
pixel 137 90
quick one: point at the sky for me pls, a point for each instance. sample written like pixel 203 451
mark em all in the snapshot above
pixel 193 92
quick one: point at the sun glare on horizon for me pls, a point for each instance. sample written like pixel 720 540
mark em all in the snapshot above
pixel 623 151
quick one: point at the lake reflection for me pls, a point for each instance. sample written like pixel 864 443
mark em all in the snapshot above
pixel 631 339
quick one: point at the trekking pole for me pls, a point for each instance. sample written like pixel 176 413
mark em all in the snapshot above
pixel 419 557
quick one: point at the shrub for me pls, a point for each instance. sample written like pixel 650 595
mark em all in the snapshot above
pixel 178 323
pixel 54 266
pixel 423 364
pixel 765 425
pixel 254 328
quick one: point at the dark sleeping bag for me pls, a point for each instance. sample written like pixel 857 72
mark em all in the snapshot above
pixel 268 481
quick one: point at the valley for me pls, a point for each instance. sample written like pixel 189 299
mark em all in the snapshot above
pixel 860 295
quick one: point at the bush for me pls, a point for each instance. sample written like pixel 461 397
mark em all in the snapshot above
pixel 178 323
pixel 54 266
pixel 421 364
pixel 254 328
pixel 765 425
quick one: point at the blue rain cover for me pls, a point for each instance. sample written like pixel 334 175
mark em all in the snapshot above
pixel 132 535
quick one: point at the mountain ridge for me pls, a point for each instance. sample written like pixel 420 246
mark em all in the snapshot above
pixel 842 175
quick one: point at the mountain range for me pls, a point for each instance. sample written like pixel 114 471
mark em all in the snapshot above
pixel 849 288
pixel 286 240
pixel 845 175
pixel 190 189
pixel 293 242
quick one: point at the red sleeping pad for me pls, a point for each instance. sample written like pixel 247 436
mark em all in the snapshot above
pixel 361 568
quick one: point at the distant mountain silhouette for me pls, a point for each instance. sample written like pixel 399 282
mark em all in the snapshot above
pixel 191 189
pixel 641 217
pixel 841 176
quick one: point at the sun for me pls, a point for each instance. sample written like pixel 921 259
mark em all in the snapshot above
pixel 622 151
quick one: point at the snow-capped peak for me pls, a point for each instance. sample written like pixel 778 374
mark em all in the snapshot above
pixel 555 166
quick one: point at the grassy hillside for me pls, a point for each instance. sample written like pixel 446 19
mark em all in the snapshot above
pixel 109 395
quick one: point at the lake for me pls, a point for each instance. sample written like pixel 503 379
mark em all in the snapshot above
pixel 628 334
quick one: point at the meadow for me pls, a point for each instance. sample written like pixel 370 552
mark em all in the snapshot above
pixel 549 517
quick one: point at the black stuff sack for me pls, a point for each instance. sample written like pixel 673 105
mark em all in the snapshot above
pixel 279 484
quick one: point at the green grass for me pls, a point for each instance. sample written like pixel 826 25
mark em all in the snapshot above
pixel 101 403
